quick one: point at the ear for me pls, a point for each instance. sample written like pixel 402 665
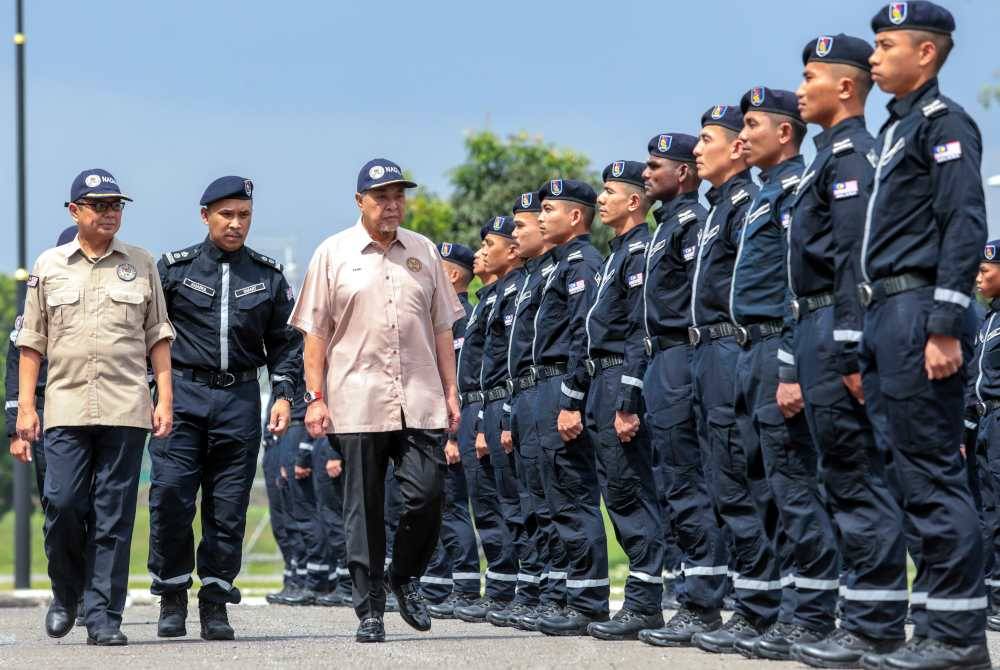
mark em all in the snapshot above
pixel 846 89
pixel 453 274
pixel 357 199
pixel 204 215
pixel 634 202
pixel 736 150
pixel 683 171
pixel 785 132
pixel 928 53
pixel 73 209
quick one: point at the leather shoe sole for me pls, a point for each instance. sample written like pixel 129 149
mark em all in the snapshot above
pixel 115 641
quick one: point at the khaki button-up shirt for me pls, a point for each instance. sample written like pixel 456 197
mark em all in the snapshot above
pixel 378 311
pixel 95 321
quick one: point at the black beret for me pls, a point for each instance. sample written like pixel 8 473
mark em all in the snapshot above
pixel 727 116
pixel 227 187
pixel 991 252
pixel 459 254
pixel 916 15
pixel 568 189
pixel 841 49
pixel 500 225
pixel 675 146
pixel 772 100
pixel 629 172
pixel 527 202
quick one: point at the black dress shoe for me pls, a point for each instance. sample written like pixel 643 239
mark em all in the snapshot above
pixel 173 614
pixel 723 640
pixel 446 609
pixel 276 597
pixel 529 620
pixel 214 621
pixel 747 646
pixel 993 622
pixel 841 649
pixel 108 637
pixel 330 599
pixel 370 629
pixel 682 627
pixel 476 611
pixel 299 597
pixel 776 645
pixel 59 620
pixel 937 655
pixel 503 618
pixel 625 625
pixel 572 622
pixel 412 607
pixel 873 661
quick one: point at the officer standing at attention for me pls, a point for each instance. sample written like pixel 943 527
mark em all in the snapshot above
pixel 615 365
pixel 825 224
pixel 719 160
pixel 94 311
pixel 230 306
pixel 925 226
pixel 670 177
pixel 520 428
pixel 454 569
pixel 569 471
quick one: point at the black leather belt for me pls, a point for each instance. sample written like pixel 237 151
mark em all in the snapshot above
pixel 984 407
pixel 698 334
pixel 545 371
pixel 755 332
pixel 496 393
pixel 595 365
pixel 880 289
pixel 659 343
pixel 810 303
pixel 522 383
pixel 470 397
pixel 215 378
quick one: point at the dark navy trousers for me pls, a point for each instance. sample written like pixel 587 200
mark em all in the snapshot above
pixel 455 564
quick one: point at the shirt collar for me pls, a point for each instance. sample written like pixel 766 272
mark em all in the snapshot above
pixel 642 230
pixel 215 254
pixel 670 207
pixel 739 179
pixel 785 167
pixel 563 250
pixel 484 291
pixel 73 247
pixel 835 132
pixel 903 106
pixel 364 240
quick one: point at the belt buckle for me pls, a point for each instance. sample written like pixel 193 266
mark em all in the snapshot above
pixel 533 373
pixel 224 380
pixel 865 294
pixel 510 386
pixel 796 309
pixel 648 344
pixel 981 408
pixel 591 366
pixel 742 335
pixel 694 336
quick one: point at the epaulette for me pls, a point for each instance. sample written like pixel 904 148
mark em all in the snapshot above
pixel 636 247
pixel 789 182
pixel 510 289
pixel 843 146
pixel 740 196
pixel 575 256
pixel 264 260
pixel 182 256
pixel 934 108
pixel 686 215
pixel 759 212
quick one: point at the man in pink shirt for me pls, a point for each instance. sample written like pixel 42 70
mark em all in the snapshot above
pixel 376 310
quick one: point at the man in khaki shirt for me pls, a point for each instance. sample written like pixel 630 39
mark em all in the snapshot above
pixel 376 309
pixel 95 310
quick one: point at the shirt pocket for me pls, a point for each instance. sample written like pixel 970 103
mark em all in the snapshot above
pixel 65 313
pixel 126 310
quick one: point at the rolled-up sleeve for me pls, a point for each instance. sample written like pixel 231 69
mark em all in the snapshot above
pixel 446 308
pixel 157 323
pixel 35 326
pixel 311 314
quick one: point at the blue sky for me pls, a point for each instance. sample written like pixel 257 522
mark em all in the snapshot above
pixel 298 95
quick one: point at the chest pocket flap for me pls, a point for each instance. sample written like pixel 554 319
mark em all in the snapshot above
pixel 128 297
pixel 63 296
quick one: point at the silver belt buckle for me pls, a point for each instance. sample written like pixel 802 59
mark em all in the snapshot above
pixel 510 386
pixel 742 335
pixel 591 366
pixel 694 336
pixel 981 408
pixel 865 294
pixel 648 344
pixel 796 309
pixel 225 380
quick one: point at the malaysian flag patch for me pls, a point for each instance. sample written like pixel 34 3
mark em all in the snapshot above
pixel 577 286
pixel 845 189
pixel 635 280
pixel 951 151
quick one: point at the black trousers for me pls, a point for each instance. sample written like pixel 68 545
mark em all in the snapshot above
pixel 418 459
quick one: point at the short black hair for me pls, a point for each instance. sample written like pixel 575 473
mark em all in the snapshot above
pixel 941 41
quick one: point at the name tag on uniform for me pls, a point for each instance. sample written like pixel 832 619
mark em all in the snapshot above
pixel 200 288
pixel 247 290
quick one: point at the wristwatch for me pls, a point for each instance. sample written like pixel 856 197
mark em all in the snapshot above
pixel 312 396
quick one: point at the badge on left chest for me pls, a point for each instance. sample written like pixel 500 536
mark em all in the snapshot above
pixel 125 271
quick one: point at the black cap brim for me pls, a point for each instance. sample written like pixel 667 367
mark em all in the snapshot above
pixel 405 182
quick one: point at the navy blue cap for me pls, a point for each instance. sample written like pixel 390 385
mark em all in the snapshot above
pixel 772 100
pixel 379 172
pixel 500 225
pixel 232 186
pixel 95 183
pixel 568 189
pixel 727 116
pixel 675 146
pixel 527 202
pixel 841 49
pixel 456 253
pixel 629 172
pixel 991 252
pixel 916 15
pixel 66 236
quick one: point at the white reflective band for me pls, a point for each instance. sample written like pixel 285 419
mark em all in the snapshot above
pixel 918 598
pixel 528 579
pixel 10 404
pixel 480 415
pixel 224 321
pixel 179 579
pixel 956 604
pixel 787 580
pixel 465 575
pixel 505 407
pixel 288 573
pixel 947 295
pixel 971 425
pixel 756 584
pixel 215 580
pixel 817 584
pixel 305 446
pixel 993 582
pixel 298 571
pixel 500 577
pixel 586 583
pixel 705 570
pixel 632 381
pixel 556 575
pixel 847 336
pixel 645 577
pixel 281 378
pixel 343 572
pixel 444 581
pixel 317 567
pixel 669 574
pixel 876 595
pixel 785 357
pixel 567 391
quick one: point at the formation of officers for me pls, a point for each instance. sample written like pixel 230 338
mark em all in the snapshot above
pixel 778 396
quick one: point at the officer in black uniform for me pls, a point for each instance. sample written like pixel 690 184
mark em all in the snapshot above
pixel 613 373
pixel 670 178
pixel 280 520
pixel 454 569
pixel 569 470
pixel 757 587
pixel 925 226
pixel 825 219
pixel 230 306
pixel 327 470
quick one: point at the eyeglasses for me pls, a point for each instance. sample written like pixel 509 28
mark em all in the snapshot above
pixel 101 207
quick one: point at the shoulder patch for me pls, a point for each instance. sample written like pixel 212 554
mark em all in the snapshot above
pixel 265 260
pixel 686 216
pixel 740 196
pixel 509 289
pixel 934 108
pixel 18 322
pixel 789 182
pixel 182 255
pixel 575 256
pixel 636 247
pixel 843 146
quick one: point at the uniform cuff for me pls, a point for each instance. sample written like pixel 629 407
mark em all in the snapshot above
pixel 33 340
pixel 848 364
pixel 788 374
pixel 161 331
pixel 944 322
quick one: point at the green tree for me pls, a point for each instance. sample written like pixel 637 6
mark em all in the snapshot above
pixel 8 310
pixel 430 215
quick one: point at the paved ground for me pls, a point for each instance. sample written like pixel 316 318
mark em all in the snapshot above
pixel 309 637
